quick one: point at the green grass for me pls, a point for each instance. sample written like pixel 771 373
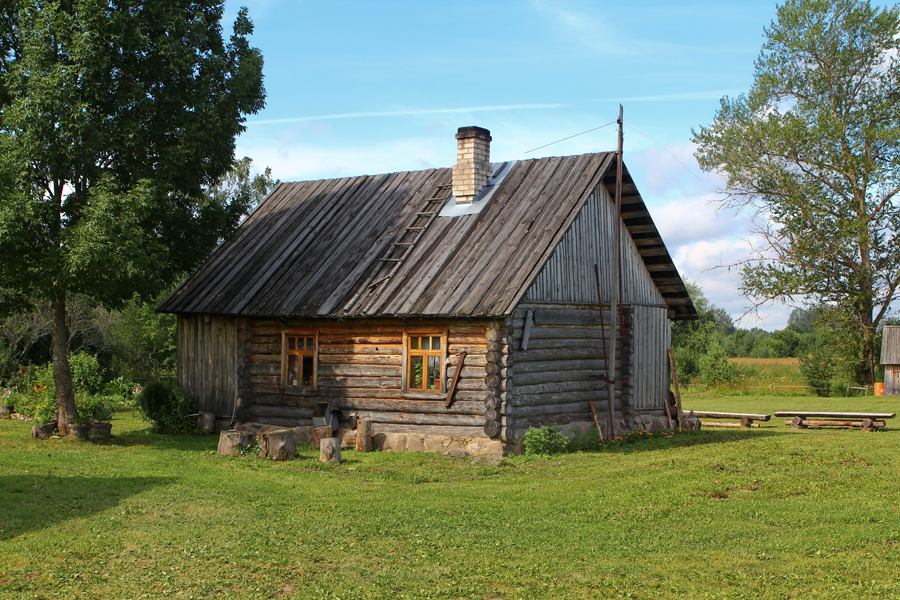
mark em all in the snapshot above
pixel 768 513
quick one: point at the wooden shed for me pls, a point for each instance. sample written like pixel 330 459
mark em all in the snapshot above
pixel 444 304
pixel 890 358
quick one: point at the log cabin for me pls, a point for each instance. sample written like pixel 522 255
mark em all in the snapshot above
pixel 449 307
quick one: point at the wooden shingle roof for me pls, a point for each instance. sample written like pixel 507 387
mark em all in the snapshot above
pixel 315 248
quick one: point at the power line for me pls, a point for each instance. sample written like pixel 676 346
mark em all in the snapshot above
pixel 571 136
pixel 666 149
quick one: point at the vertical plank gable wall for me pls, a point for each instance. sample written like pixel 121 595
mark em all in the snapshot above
pixel 208 362
pixel 568 349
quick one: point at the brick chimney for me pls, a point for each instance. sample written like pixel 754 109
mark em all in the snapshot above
pixel 473 163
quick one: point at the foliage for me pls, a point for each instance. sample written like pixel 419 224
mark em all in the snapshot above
pixel 164 404
pixel 817 369
pixel 87 374
pixel 812 152
pixel 94 407
pixel 115 120
pixel 715 368
pixel 145 339
pixel 545 440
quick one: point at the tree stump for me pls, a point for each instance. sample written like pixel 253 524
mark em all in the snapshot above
pixel 6 410
pixel 329 450
pixel 364 435
pixel 206 421
pixel 320 433
pixel 797 423
pixel 277 445
pixel 101 429
pixel 868 425
pixel 42 432
pixel 691 422
pixel 79 432
pixel 231 442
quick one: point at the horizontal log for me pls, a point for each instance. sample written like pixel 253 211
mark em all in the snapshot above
pixel 357 370
pixel 562 387
pixel 558 344
pixel 834 423
pixel 392 383
pixel 835 415
pixel 734 425
pixel 590 352
pixel 265 369
pixel 524 380
pixel 722 415
pixel 566 397
pixel 284 412
pixel 570 317
pixel 468 407
pixel 523 412
pixel 561 365
pixel 340 392
pixel 451 420
pixel 567 333
pixel 396 349
pixel 544 420
pixel 283 422
pixel 267 348
pixel 360 359
pixel 307 402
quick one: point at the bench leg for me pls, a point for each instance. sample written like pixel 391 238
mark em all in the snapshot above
pixel 797 423
pixel 747 423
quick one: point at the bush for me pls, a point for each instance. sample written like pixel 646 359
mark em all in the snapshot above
pixel 94 407
pixel 87 374
pixel 715 368
pixel 817 369
pixel 545 440
pixel 165 406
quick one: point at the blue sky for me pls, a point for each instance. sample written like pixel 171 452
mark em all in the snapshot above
pixel 378 86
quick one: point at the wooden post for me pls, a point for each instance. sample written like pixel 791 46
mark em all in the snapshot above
pixel 596 418
pixel 363 435
pixel 677 392
pixel 797 423
pixel 329 450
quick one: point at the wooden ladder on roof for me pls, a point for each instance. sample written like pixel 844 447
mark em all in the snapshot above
pixel 399 251
pixel 401 248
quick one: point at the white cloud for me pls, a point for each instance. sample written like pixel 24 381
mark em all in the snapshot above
pixel 689 220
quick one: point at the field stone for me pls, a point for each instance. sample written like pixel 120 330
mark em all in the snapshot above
pixel 415 443
pixel 490 460
pixel 395 442
pixel 458 453
pixel 434 443
pixel 454 443
pixel 378 440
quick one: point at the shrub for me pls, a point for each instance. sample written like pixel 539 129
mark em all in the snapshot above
pixel 165 406
pixel 545 440
pixel 817 369
pixel 94 407
pixel 586 441
pixel 87 374
pixel 715 368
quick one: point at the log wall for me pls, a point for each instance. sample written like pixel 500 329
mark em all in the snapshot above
pixel 209 356
pixel 562 366
pixel 360 372
pixel 568 276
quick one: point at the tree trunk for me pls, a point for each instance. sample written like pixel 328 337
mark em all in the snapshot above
pixel 62 376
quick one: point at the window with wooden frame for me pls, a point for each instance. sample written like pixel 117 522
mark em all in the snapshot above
pixel 300 358
pixel 424 354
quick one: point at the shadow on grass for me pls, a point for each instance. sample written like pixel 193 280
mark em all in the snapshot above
pixel 36 502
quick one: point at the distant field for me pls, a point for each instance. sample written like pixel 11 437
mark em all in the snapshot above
pixel 767 513
pixel 768 363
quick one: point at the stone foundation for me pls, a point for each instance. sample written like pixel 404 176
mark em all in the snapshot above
pixel 419 442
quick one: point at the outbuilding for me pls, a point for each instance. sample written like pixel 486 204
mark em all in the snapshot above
pixel 446 306
pixel 890 358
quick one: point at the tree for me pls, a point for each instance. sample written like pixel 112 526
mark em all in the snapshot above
pixel 115 117
pixel 812 152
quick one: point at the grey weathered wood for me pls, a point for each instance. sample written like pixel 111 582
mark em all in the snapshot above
pixel 529 321
pixel 330 450
pixel 206 421
pixel 703 414
pixel 423 419
pixel 866 424
pixel 231 442
pixel 319 434
pixel 6 410
pixel 363 435
pixel 834 415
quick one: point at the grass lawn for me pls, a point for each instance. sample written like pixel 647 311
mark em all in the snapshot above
pixel 767 513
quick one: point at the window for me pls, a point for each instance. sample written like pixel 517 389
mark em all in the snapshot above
pixel 300 356
pixel 424 353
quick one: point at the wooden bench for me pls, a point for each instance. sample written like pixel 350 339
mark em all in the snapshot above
pixel 747 420
pixel 865 421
